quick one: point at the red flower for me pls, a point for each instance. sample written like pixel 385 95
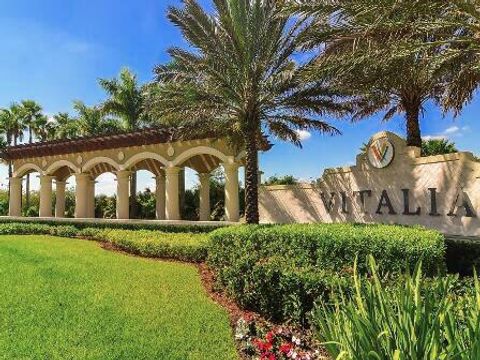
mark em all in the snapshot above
pixel 286 348
pixel 262 345
pixel 268 356
pixel 270 336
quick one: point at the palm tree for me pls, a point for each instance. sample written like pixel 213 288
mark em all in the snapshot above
pixel 92 121
pixel 44 128
pixel 33 120
pixel 126 103
pixel 241 82
pixel 66 127
pixel 11 124
pixel 358 49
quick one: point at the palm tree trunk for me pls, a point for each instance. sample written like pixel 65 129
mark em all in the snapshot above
pixel 252 215
pixel 133 195
pixel 414 137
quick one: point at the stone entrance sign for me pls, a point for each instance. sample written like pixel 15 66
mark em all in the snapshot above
pixel 390 183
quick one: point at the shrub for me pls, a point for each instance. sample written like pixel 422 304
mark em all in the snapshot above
pixel 183 247
pixel 280 271
pixel 401 323
pixel 463 255
pixel 168 228
pixel 64 231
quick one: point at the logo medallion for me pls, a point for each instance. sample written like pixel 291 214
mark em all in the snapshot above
pixel 381 153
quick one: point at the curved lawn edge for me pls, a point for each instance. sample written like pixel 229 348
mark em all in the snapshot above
pixel 91 303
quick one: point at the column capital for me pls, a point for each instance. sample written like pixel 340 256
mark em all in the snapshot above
pixel 82 177
pixel 14 179
pixel 60 182
pixel 204 177
pixel 123 173
pixel 46 177
pixel 173 170
pixel 230 166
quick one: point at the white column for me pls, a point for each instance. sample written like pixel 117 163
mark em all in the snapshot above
pixel 45 196
pixel 123 189
pixel 81 193
pixel 60 198
pixel 15 201
pixel 232 206
pixel 172 211
pixel 160 196
pixel 91 199
pixel 204 197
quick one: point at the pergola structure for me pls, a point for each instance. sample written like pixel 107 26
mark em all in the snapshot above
pixel 162 152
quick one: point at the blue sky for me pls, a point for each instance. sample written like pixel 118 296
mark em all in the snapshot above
pixel 53 51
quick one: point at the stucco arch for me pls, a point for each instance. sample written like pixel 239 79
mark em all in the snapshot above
pixel 199 150
pixel 241 156
pixel 59 164
pixel 135 159
pixel 90 164
pixel 26 168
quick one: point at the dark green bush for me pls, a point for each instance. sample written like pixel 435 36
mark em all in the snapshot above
pixel 280 271
pixel 168 228
pixel 183 247
pixel 463 255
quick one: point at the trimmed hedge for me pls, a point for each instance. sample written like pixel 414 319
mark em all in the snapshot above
pixel 463 255
pixel 167 228
pixel 184 247
pixel 281 270
pixel 177 246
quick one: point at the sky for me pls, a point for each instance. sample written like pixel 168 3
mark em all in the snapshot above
pixel 54 51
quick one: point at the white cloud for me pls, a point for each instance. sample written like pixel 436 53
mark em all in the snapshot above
pixel 434 137
pixel 303 134
pixel 447 133
pixel 452 130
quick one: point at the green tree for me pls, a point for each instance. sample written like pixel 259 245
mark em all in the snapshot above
pixel 438 147
pixel 281 180
pixel 358 50
pixel 126 103
pixel 66 127
pixel 35 121
pixel 240 81
pixel 12 125
pixel 93 122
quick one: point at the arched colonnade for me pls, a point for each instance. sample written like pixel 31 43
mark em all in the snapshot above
pixel 158 151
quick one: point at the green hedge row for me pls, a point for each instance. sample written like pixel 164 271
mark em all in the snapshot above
pixel 463 255
pixel 280 271
pixel 178 246
pixel 168 228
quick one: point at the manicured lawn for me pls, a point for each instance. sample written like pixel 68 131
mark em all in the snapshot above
pixel 70 299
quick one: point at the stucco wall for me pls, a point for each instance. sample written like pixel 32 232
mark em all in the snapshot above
pixel 449 183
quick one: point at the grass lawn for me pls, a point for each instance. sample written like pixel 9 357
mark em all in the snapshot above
pixel 70 299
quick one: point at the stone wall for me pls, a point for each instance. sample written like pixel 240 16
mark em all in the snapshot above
pixel 391 184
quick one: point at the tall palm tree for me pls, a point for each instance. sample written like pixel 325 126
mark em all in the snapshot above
pixel 240 81
pixel 11 124
pixel 92 121
pixel 358 50
pixel 66 127
pixel 32 117
pixel 126 102
pixel 44 128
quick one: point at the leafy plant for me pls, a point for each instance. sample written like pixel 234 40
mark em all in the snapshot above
pixel 281 270
pixel 410 321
